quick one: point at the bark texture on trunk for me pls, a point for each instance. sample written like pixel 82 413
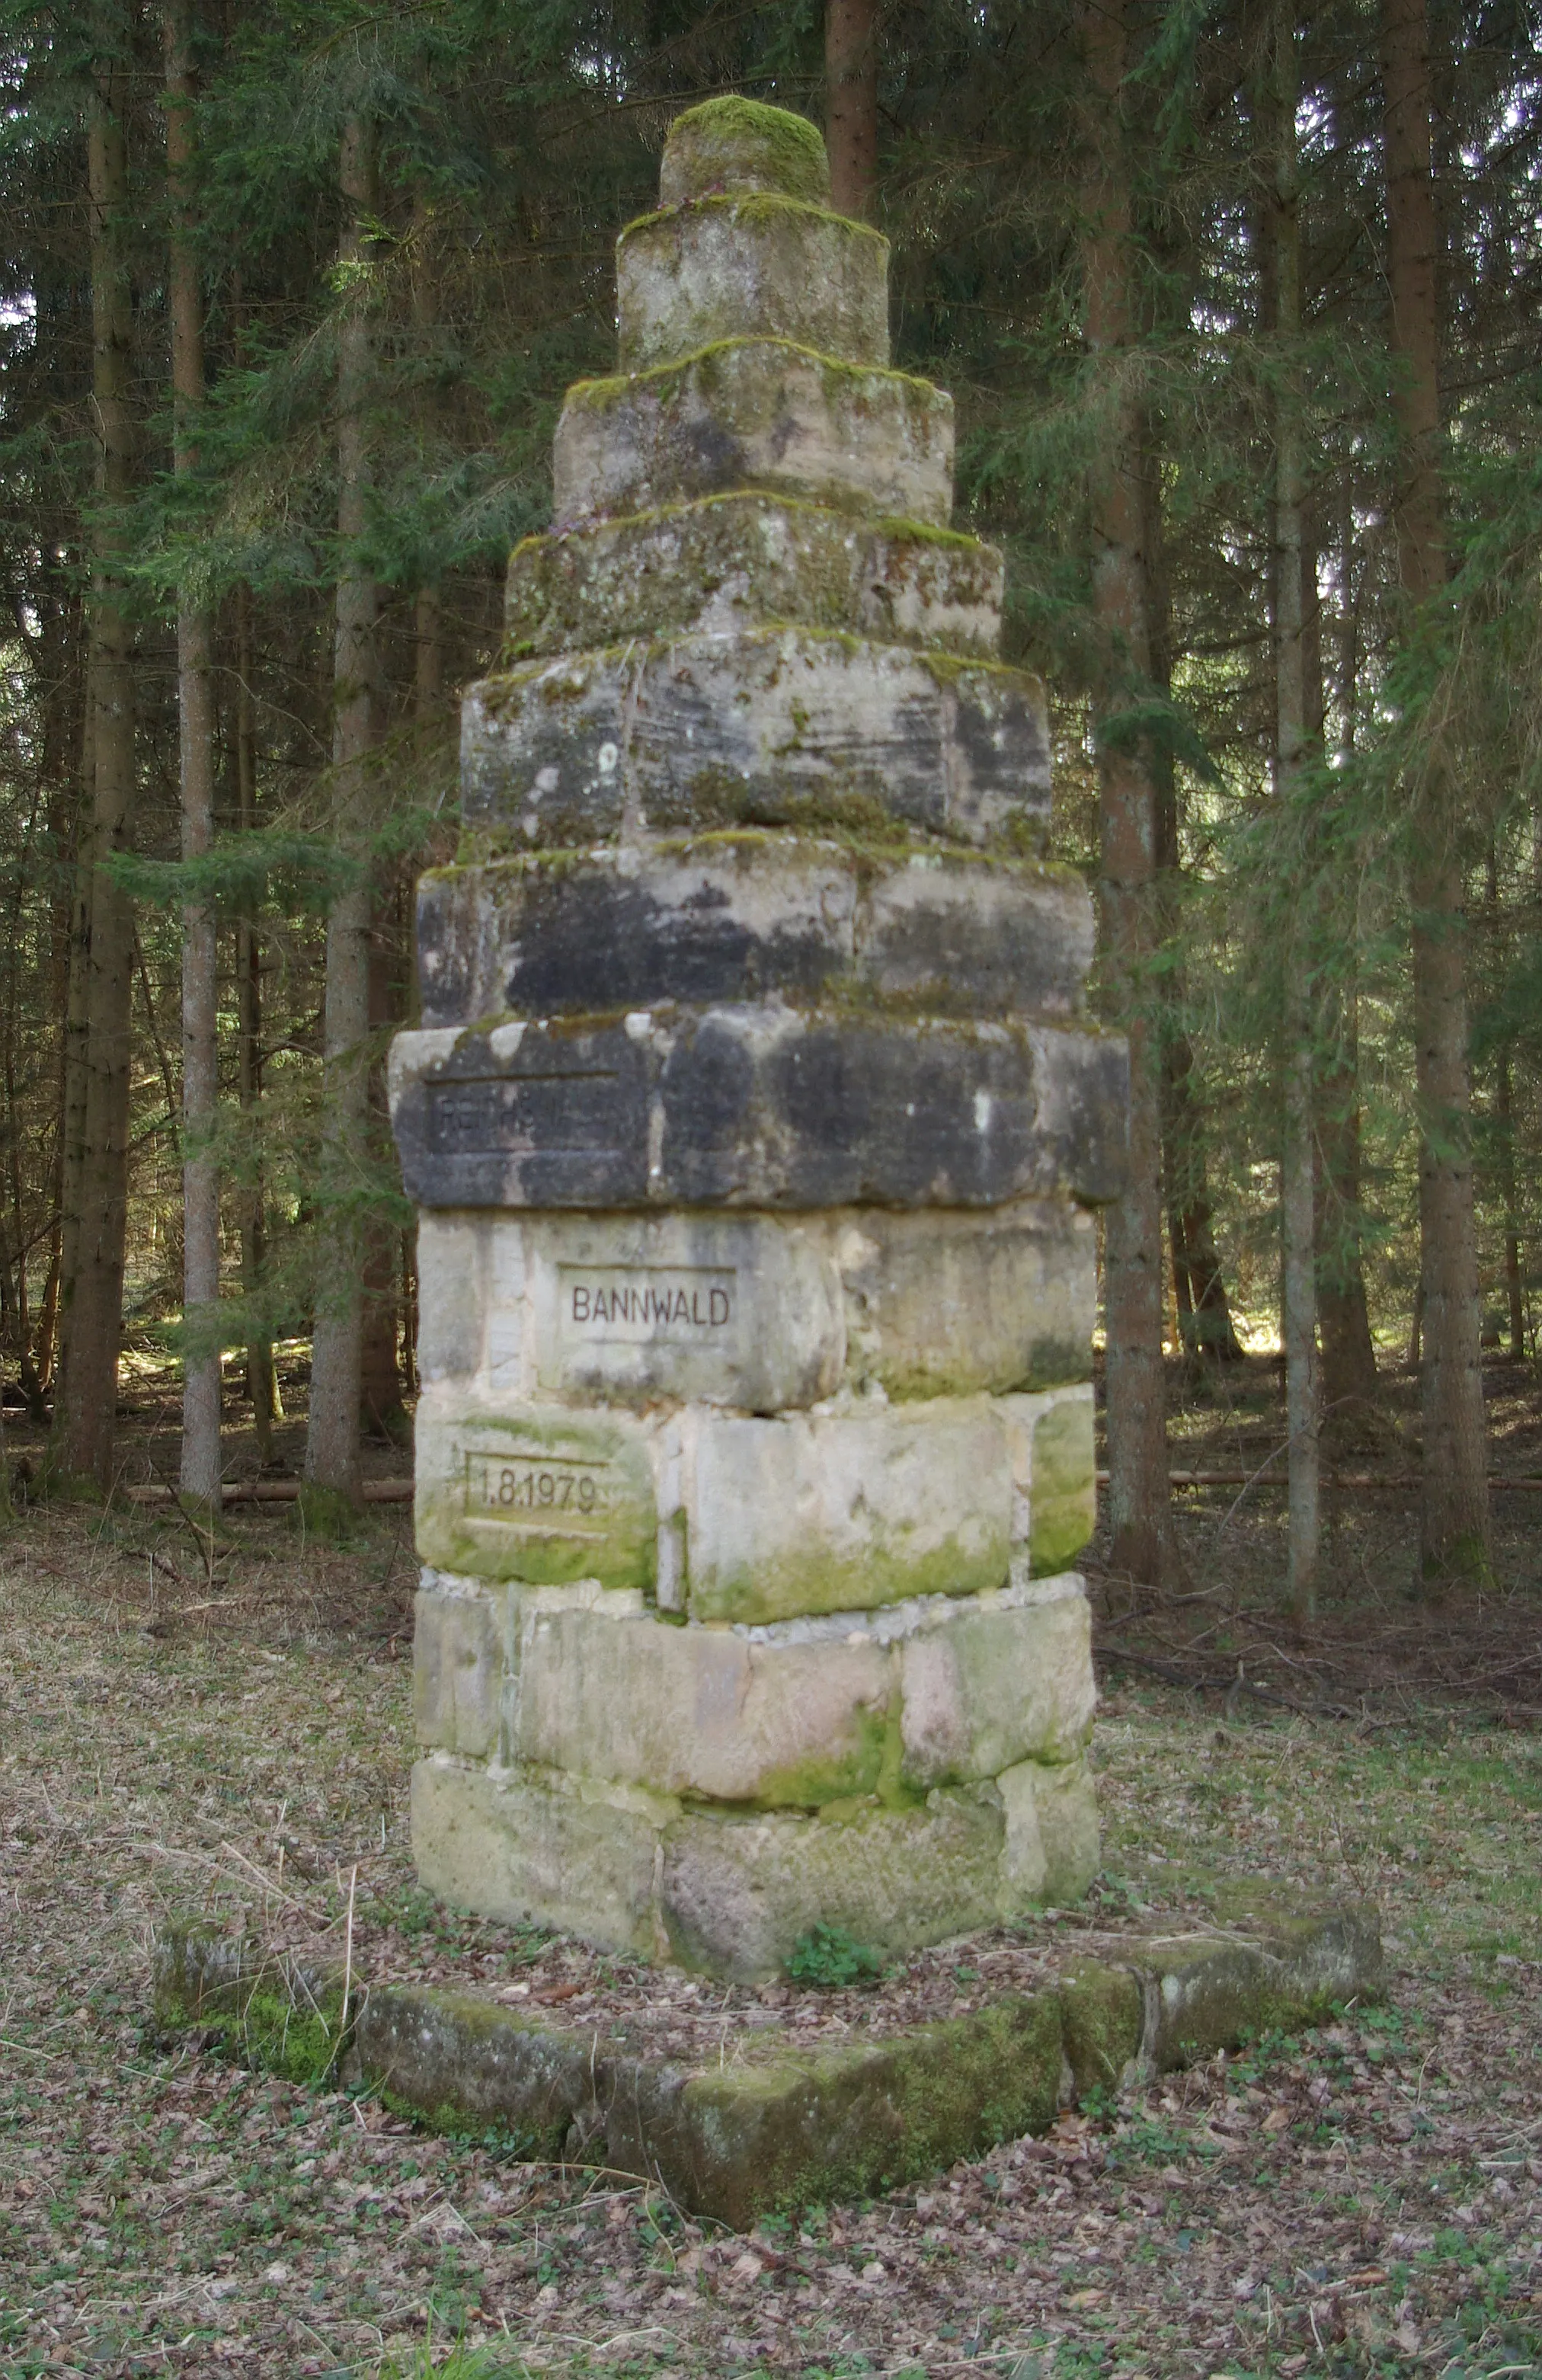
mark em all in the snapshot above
pixel 1454 1515
pixel 332 1447
pixel 1298 1170
pixel 851 103
pixel 85 1405
pixel 195 691
pixel 262 1378
pixel 1137 1415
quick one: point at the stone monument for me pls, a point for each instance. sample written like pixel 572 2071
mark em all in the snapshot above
pixel 755 1126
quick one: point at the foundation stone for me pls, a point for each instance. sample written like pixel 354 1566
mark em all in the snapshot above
pixel 755 1126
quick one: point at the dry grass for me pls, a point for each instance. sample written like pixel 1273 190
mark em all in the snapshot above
pixel 1364 2202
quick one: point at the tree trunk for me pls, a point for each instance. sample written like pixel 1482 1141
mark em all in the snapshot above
pixel 86 1404
pixel 1127 825
pixel 851 103
pixel 332 1449
pixel 194 687
pixel 1454 1517
pixel 1298 1166
pixel 262 1378
pixel 1349 1376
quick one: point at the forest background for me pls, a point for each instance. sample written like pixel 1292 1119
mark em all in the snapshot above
pixel 1239 307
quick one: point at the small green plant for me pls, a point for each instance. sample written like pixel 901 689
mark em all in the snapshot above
pixel 827 1956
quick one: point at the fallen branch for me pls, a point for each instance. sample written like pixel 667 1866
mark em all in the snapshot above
pixel 273 1491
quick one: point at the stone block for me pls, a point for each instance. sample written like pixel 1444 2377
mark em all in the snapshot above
pixel 746 265
pixel 450 1297
pixel 737 1893
pixel 755 413
pixel 727 918
pixel 730 918
pixel 739 561
pixel 531 1851
pixel 733 144
pixel 541 1493
pixel 1054 1473
pixel 996 1686
pixel 457 1664
pixel 955 1303
pixel 700 1712
pixel 1052 1845
pixel 757 1106
pixel 843 1511
pixel 769 727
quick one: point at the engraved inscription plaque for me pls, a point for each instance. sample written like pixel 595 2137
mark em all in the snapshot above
pixel 641 1305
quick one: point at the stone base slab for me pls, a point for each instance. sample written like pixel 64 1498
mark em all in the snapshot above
pixel 731 1893
pixel 793 2127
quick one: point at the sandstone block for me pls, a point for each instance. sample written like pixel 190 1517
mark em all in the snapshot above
pixel 752 917
pixel 449 1297
pixel 1054 1473
pixel 756 1107
pixel 996 1686
pixel 747 265
pixel 1051 1846
pixel 935 1304
pixel 738 1892
pixel 457 1664
pixel 839 1512
pixel 738 560
pixel 768 727
pixel 755 413
pixel 531 1851
pixel 699 1712
pixel 538 1493
pixel 734 144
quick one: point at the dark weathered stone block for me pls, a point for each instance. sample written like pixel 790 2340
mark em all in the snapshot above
pixel 749 917
pixel 755 1107
pixel 772 727
pixel 740 560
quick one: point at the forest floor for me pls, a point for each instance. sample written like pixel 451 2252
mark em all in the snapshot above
pixel 1363 2200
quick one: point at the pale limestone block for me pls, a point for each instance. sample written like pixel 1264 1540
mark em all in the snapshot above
pixel 696 1711
pixel 996 1685
pixel 449 1296
pixel 1053 1837
pixel 955 1303
pixel 1053 1472
pixel 541 1493
pixel 738 1893
pixel 457 1664
pixel 755 413
pixel 962 937
pixel 844 1511
pixel 531 1851
pixel 752 266
pixel 727 1309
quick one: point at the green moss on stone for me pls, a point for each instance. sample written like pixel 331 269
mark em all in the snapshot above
pixel 757 210
pixel 844 382
pixel 1102 2015
pixel 741 143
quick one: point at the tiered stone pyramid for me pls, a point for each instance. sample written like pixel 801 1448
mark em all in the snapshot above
pixel 755 1126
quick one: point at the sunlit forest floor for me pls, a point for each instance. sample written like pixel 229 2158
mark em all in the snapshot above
pixel 1360 2201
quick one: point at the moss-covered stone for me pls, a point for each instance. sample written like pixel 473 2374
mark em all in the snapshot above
pixel 1102 2019
pixel 755 413
pixel 756 265
pixel 272 2010
pixel 536 1493
pixel 741 560
pixel 733 144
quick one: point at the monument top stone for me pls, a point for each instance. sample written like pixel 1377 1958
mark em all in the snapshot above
pixel 738 145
